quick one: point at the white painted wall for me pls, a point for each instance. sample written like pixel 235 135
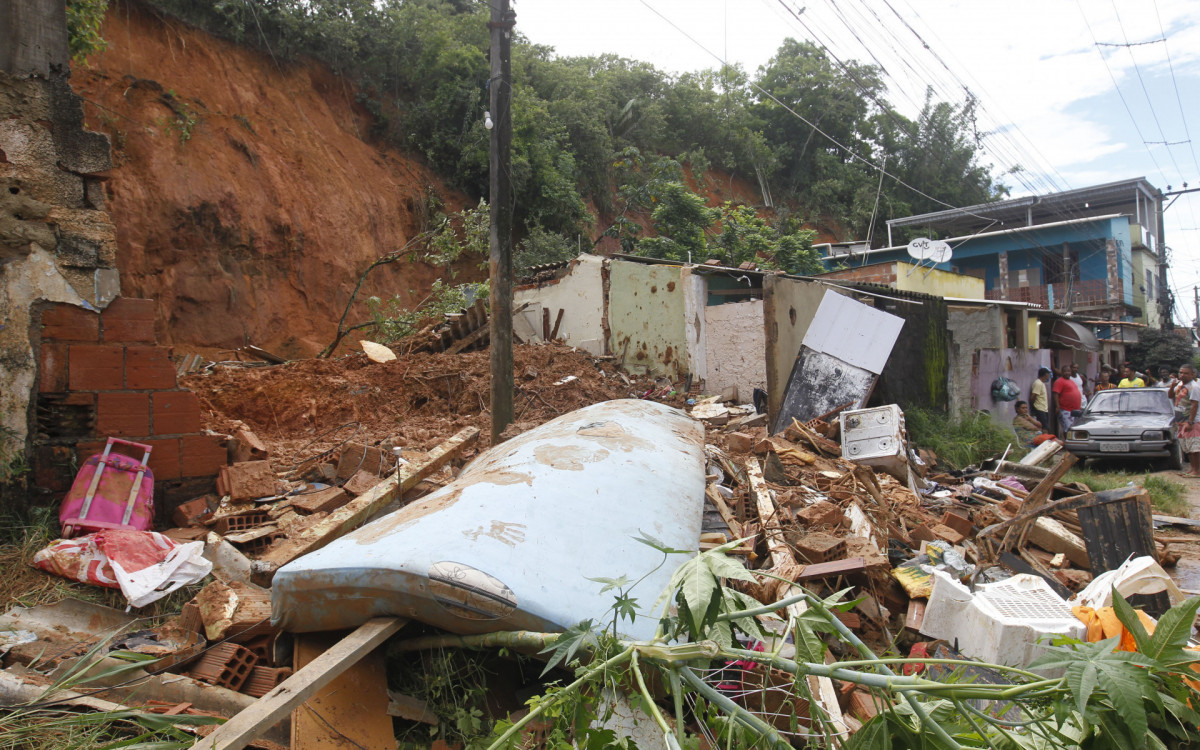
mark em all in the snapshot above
pixel 579 294
pixel 735 341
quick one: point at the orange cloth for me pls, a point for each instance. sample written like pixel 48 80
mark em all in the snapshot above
pixel 1103 623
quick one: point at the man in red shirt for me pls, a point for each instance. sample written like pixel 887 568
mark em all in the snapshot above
pixel 1066 399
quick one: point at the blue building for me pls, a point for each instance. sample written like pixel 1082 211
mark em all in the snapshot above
pixel 1095 251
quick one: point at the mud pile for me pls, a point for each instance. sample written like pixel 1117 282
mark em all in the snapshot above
pixel 301 408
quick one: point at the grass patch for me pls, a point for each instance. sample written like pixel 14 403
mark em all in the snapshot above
pixel 23 534
pixel 960 443
pixel 1166 496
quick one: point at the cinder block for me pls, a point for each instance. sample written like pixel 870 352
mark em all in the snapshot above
pixel 246 446
pixel 358 457
pixel 959 523
pixel 149 368
pixel 176 413
pixel 226 664
pixel 52 368
pixel 192 511
pixel 264 679
pixel 360 483
pixel 242 522
pixel 95 367
pixel 321 501
pixel 823 513
pixel 819 548
pixel 123 414
pixel 128 320
pixel 945 533
pixel 248 481
pixel 739 442
pixel 202 455
pixel 63 322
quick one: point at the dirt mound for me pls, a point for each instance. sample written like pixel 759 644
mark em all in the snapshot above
pixel 417 400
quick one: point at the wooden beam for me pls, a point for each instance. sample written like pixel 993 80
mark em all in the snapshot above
pixel 479 333
pixel 821 688
pixel 1041 453
pixel 557 323
pixel 351 515
pixel 735 526
pixel 273 707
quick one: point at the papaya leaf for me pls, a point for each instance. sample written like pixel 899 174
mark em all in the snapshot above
pixel 1125 684
pixel 1082 679
pixel 1129 618
pixel 1173 630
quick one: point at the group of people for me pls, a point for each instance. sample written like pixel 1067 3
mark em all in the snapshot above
pixel 1062 394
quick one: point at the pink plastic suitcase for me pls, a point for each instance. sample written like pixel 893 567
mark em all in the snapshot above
pixel 111 491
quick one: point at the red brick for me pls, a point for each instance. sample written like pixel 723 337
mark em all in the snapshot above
pixel 149 368
pixel 93 367
pixel 123 415
pixel 63 322
pixel 202 455
pixel 52 368
pixel 176 412
pixel 959 523
pixel 129 320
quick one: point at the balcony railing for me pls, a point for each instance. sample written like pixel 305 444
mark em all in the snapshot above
pixel 1089 293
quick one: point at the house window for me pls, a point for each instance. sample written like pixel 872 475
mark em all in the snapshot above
pixel 1149 284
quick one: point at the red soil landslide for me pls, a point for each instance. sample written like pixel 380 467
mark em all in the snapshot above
pixel 418 400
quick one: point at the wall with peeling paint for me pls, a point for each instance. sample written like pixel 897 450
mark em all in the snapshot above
pixel 789 305
pixel 579 293
pixel 647 319
pixel 735 345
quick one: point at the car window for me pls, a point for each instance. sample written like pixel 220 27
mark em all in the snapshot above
pixel 1129 401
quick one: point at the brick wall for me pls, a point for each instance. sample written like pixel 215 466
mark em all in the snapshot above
pixel 101 375
pixel 883 274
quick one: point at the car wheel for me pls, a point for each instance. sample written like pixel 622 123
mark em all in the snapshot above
pixel 1177 459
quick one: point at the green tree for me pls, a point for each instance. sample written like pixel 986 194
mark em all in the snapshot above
pixel 1157 348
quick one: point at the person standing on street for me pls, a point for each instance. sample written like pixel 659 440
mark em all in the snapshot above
pixel 1187 399
pixel 1078 379
pixel 1131 379
pixel 1066 400
pixel 1039 399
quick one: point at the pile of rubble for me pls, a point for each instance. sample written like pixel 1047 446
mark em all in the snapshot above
pixel 890 525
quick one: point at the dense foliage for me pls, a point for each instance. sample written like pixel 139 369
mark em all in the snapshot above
pixel 422 69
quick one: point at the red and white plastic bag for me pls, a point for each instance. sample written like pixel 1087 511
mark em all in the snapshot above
pixel 144 565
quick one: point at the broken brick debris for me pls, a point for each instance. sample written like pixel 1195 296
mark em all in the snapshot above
pixel 226 664
pixel 246 481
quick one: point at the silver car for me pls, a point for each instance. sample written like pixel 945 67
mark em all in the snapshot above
pixel 1127 423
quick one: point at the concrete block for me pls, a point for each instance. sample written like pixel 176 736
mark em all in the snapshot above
pixel 202 455
pixel 128 320
pixel 175 413
pixel 149 368
pixel 249 480
pixel 739 442
pixel 63 322
pixel 123 414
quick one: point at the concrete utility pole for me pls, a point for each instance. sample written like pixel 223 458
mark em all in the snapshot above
pixel 500 88
pixel 1196 293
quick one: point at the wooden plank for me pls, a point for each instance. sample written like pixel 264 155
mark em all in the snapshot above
pixel 351 515
pixel 409 708
pixel 823 692
pixel 557 323
pixel 915 615
pixel 545 324
pixel 270 709
pixel 832 568
pixel 350 712
pixel 1037 500
pixel 476 335
pixel 1175 521
pixel 1039 454
pixel 735 526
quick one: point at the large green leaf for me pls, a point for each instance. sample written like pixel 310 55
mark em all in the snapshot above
pixel 1173 630
pixel 1082 678
pixel 1129 618
pixel 1125 685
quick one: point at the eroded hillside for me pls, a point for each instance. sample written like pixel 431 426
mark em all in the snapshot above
pixel 247 193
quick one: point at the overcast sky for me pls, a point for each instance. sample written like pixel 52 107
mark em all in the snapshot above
pixel 1046 89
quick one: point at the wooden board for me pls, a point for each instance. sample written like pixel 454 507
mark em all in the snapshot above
pixel 349 712
pixel 351 515
pixel 821 687
pixel 257 719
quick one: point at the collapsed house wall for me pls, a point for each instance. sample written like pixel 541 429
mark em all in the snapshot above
pixel 647 329
pixel 917 370
pixel 102 375
pixel 789 305
pixel 56 241
pixel 734 345
pixel 578 292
